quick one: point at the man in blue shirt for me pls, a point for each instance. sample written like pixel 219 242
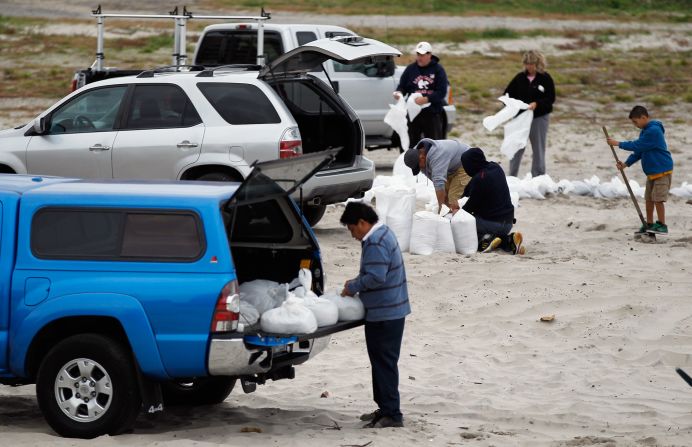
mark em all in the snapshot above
pixel 381 284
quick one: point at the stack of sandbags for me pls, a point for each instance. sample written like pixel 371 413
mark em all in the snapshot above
pixel 429 233
pixel 326 313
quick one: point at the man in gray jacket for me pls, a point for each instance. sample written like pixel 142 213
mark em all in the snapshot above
pixel 440 161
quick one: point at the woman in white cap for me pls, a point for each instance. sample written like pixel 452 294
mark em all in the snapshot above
pixel 427 77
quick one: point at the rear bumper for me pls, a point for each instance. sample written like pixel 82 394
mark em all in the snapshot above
pixel 337 185
pixel 242 355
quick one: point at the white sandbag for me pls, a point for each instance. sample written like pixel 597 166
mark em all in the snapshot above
pixel 249 314
pixel 684 191
pixel 423 233
pixel 326 312
pixel 512 107
pixel 396 119
pixel 350 307
pixel 516 134
pixel 444 240
pixel 397 204
pixel 292 317
pixel 464 232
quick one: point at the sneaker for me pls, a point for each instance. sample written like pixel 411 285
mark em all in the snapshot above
pixel 658 227
pixel 515 243
pixel 492 245
pixel 384 422
pixel 645 228
pixel 370 416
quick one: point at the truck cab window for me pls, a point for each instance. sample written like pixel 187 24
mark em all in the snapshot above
pixel 93 111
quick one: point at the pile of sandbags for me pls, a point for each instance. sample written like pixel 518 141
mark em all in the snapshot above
pixel 430 233
pixel 350 307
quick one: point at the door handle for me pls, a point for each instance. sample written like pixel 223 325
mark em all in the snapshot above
pixel 99 148
pixel 186 144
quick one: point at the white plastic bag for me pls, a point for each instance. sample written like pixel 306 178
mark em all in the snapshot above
pixel 396 119
pixel 517 134
pixel 350 308
pixel 512 107
pixel 412 108
pixel 292 317
pixel 249 315
pixel 260 293
pixel 464 233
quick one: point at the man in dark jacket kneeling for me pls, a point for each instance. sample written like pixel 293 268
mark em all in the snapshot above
pixel 381 284
pixel 490 203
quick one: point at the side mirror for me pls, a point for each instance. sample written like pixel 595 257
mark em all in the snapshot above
pixel 385 69
pixel 42 125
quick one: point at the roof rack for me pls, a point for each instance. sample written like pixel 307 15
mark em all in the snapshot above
pixel 208 72
pixel 170 69
pixel 180 31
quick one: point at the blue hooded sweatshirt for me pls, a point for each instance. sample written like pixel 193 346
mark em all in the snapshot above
pixel 651 149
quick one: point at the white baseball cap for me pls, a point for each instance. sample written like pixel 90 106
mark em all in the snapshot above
pixel 423 48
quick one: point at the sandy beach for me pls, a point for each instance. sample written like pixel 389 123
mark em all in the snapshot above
pixel 478 367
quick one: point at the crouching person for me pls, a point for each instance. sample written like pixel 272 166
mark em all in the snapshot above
pixel 490 203
pixel 381 283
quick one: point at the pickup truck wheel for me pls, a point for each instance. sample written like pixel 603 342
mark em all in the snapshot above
pixel 197 391
pixel 217 177
pixel 313 213
pixel 87 386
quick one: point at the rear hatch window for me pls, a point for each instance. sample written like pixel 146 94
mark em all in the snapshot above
pixel 237 47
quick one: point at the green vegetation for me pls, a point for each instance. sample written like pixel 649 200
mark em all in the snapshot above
pixel 673 10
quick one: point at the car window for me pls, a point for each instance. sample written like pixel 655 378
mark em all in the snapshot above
pixel 160 107
pixel 304 37
pixel 240 103
pixel 237 47
pixel 117 235
pixel 303 97
pixel 92 111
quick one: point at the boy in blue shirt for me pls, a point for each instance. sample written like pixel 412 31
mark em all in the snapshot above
pixel 657 163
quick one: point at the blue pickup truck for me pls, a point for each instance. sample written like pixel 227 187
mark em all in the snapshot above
pixel 120 297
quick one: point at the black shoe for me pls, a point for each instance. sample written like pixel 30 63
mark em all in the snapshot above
pixel 370 416
pixel 385 422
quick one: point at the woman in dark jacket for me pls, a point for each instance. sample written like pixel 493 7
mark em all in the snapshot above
pixel 535 87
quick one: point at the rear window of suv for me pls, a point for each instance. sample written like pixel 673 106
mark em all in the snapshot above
pixel 240 103
pixel 117 235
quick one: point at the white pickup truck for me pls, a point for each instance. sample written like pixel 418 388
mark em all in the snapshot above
pixel 367 88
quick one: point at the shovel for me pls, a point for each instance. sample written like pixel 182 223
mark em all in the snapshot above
pixel 650 236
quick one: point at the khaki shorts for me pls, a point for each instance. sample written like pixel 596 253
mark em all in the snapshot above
pixel 657 190
pixel 455 185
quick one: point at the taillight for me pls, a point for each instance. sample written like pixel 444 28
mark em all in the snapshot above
pixel 74 84
pixel 450 96
pixel 291 145
pixel 227 310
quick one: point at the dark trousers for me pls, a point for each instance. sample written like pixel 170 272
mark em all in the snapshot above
pixel 428 125
pixel 383 339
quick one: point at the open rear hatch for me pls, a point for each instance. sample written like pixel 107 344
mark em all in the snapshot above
pixel 325 120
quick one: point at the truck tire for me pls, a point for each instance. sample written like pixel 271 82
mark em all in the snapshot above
pixel 313 213
pixel 217 177
pixel 87 387
pixel 197 391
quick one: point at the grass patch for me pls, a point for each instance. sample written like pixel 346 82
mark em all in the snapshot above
pixel 672 10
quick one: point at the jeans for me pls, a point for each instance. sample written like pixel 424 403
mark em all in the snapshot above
pixel 383 340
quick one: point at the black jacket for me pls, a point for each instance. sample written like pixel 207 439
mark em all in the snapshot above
pixel 487 191
pixel 520 88
pixel 430 81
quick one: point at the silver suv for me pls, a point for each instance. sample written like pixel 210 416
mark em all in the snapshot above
pixel 206 125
